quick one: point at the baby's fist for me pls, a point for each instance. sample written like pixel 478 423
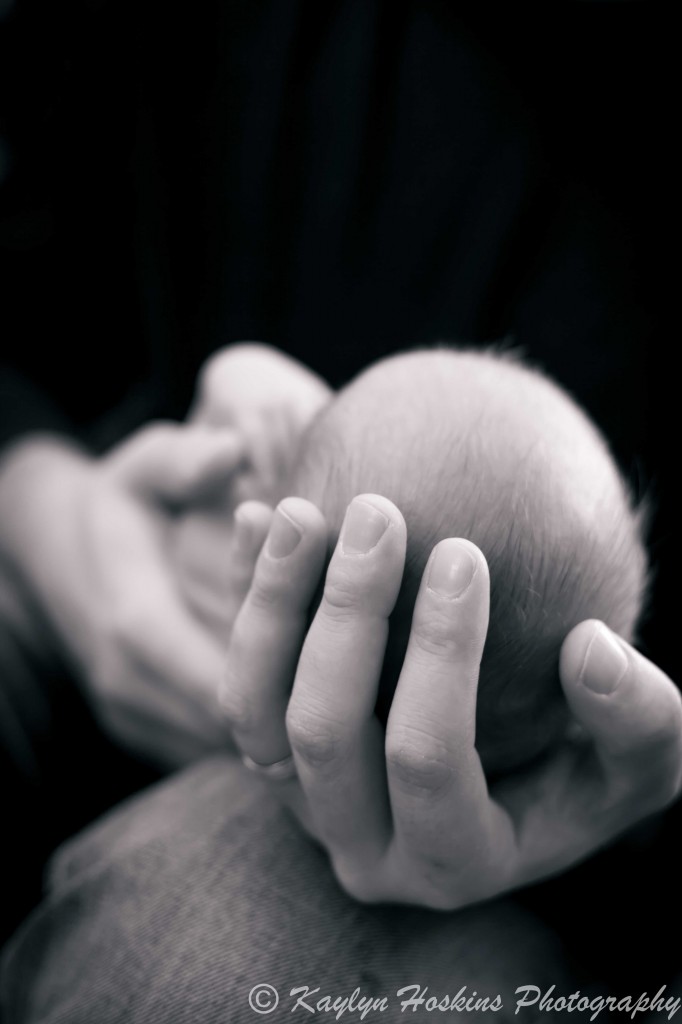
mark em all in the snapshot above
pixel 269 399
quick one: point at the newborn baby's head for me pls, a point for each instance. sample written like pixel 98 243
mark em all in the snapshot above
pixel 478 446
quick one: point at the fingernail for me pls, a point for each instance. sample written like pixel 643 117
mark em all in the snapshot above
pixel 363 528
pixel 284 535
pixel 452 569
pixel 605 662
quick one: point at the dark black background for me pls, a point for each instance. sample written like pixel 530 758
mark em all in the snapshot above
pixel 172 183
pixel 344 180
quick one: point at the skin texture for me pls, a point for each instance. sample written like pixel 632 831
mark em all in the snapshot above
pixel 388 835
pixel 94 543
pixel 77 533
pixel 476 445
pixel 88 541
pixel 267 400
pixel 389 810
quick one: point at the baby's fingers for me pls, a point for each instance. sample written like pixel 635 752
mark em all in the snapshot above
pixel 177 463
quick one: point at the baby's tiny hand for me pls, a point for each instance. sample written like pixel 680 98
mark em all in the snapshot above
pixel 269 399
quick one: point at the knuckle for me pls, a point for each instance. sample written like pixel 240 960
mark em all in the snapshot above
pixel 317 740
pixel 435 636
pixel 265 593
pixel 341 598
pixel 341 592
pixel 416 765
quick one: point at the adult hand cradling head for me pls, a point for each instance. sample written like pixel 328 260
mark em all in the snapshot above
pixel 523 472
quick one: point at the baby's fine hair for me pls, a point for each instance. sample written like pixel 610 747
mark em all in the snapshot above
pixel 479 445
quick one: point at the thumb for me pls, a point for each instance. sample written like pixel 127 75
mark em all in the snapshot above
pixel 177 462
pixel 630 709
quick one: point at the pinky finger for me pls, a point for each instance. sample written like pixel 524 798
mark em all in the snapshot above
pixel 251 524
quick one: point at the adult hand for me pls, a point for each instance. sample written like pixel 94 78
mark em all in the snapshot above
pixel 87 540
pixel 408 816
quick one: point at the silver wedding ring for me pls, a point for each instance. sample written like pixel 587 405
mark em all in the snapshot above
pixel 278 771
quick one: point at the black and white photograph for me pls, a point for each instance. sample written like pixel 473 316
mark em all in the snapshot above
pixel 339 536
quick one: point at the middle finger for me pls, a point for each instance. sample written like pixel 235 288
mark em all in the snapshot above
pixel 335 737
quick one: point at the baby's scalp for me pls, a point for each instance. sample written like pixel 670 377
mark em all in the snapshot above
pixel 478 445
